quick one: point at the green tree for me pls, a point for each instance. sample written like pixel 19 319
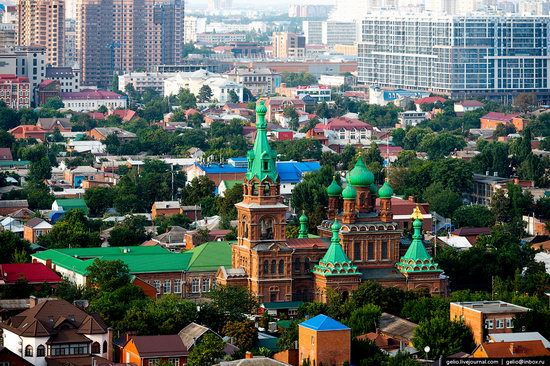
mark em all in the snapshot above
pixel 288 337
pixel 205 94
pixel 322 110
pixel 128 232
pixel 53 103
pixel 291 114
pixel 226 204
pixel 233 97
pixel 438 145
pixel 8 118
pixel 11 244
pixel 112 306
pixel 208 351
pixel 364 319
pixel 442 200
pixel 473 216
pixel 443 336
pixel 425 307
pixel 398 136
pixel 41 170
pixel 107 275
pixel 186 99
pixel 199 189
pixel 413 137
pixel 525 101
pixel 243 334
pixel 99 199
pixel 455 174
pixel 233 302
pixel 73 231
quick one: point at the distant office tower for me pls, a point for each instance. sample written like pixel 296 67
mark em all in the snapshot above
pixel 535 7
pixel 193 26
pixel 8 35
pixel 486 56
pixel 334 32
pixel 288 45
pixel 313 31
pixel 124 35
pixel 42 23
pixel 309 11
pixel 217 5
pixel 71 56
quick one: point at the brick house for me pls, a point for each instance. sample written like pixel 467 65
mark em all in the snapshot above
pixel 323 340
pixel 486 317
pixel 492 120
pixel 28 132
pixel 279 104
pixel 517 349
pixel 101 133
pixel 35 228
pixel 152 350
pixel 51 124
pixel 8 207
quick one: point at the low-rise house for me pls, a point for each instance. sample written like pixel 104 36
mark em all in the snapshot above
pixel 35 228
pixel 10 206
pixel 485 185
pixel 410 118
pixel 486 317
pixel 520 349
pixel 190 274
pixel 279 104
pixel 345 131
pixel 227 184
pixel 428 100
pixel 14 225
pixel 28 132
pixel 5 154
pixel 52 124
pixel 193 238
pixel 101 133
pixel 77 175
pixel 467 106
pixel 55 330
pixel 173 240
pixel 492 120
pixel 91 100
pixel 170 208
pixel 10 358
pixel 35 274
pixel 193 333
pixel 93 147
pixel 519 337
pixel 323 340
pixel 251 360
pixel 46 90
pixel 69 204
pixel 155 349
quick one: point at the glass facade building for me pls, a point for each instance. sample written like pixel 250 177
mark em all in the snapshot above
pixel 488 56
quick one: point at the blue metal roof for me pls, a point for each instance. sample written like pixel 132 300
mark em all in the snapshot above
pixel 292 171
pixel 323 323
pixel 395 94
pixel 221 168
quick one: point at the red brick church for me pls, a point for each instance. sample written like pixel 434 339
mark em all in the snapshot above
pixel 357 242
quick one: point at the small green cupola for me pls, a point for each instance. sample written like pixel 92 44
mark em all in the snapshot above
pixel 417 259
pixel 335 262
pixel 360 175
pixel 261 159
pixel 349 192
pixel 334 189
pixel 386 191
pixel 373 188
pixel 304 223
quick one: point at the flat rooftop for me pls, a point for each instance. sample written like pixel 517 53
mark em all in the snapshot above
pixel 492 307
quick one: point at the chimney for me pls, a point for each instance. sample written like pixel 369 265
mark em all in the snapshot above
pixel 49 263
pixel 110 344
pixel 248 355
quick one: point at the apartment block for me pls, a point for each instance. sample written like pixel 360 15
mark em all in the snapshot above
pixel 486 317
pixel 31 62
pixel 42 23
pixel 288 45
pixel 260 81
pixel 8 34
pixel 336 32
pixel 15 91
pixel 464 57
pixel 313 31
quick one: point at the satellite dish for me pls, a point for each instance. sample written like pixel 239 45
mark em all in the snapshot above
pixel 427 349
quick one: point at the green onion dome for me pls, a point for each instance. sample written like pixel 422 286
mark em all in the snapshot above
pixel 349 192
pixel 335 227
pixel 261 108
pixel 360 175
pixel 334 189
pixel 373 188
pixel 303 219
pixel 385 191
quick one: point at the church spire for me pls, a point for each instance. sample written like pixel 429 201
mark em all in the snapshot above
pixel 304 220
pixel 335 261
pixel 261 159
pixel 417 258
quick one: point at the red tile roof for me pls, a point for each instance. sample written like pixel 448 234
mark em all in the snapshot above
pixel 11 78
pixel 160 346
pixel 515 349
pixel 91 94
pixel 32 272
pixel 96 115
pixel 125 114
pixel 502 117
pixel 467 231
pixel 429 100
pixel 343 123
pixel 307 243
pixel 5 153
pixel 471 103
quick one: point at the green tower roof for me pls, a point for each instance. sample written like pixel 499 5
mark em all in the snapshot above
pixel 261 159
pixel 349 193
pixel 386 191
pixel 303 233
pixel 417 258
pixel 373 188
pixel 334 189
pixel 335 262
pixel 360 175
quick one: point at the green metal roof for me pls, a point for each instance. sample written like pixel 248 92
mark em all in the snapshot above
pixel 261 159
pixel 335 262
pixel 206 257
pixel 334 189
pixel 231 183
pixel 303 233
pixel 282 305
pixel 386 191
pixel 8 163
pixel 73 204
pixel 417 258
pixel 360 175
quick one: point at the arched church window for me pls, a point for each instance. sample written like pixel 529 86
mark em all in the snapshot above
pixel 363 199
pixel 266 189
pixel 245 228
pixel 266 266
pixel 297 265
pixel 306 264
pixel 265 165
pixel 266 228
pixel 281 267
pixel 254 189
pixel 273 266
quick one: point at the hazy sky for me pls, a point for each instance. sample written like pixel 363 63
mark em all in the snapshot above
pixel 260 3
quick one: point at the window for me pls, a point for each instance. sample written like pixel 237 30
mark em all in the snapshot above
pixel 167 287
pixel 500 323
pixel 357 251
pixel 370 251
pixel 96 348
pixel 28 351
pixel 273 266
pixel 195 285
pixel 177 286
pixel 5 363
pixel 174 361
pixel 104 346
pixel 40 351
pixel 297 265
pixel 489 324
pixel 509 323
pixel 154 362
pixel 266 229
pixel 281 267
pixel 306 265
pixel 266 267
pixel 384 250
pixel 156 283
pixel 312 341
pixel 205 284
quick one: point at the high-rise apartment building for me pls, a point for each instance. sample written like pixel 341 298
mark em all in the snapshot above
pixel 193 26
pixel 70 52
pixel 313 31
pixel 288 45
pixel 121 36
pixel 8 35
pixel 42 23
pixel 472 56
pixel 335 32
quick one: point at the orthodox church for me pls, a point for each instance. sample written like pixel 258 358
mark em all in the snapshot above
pixel 357 242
